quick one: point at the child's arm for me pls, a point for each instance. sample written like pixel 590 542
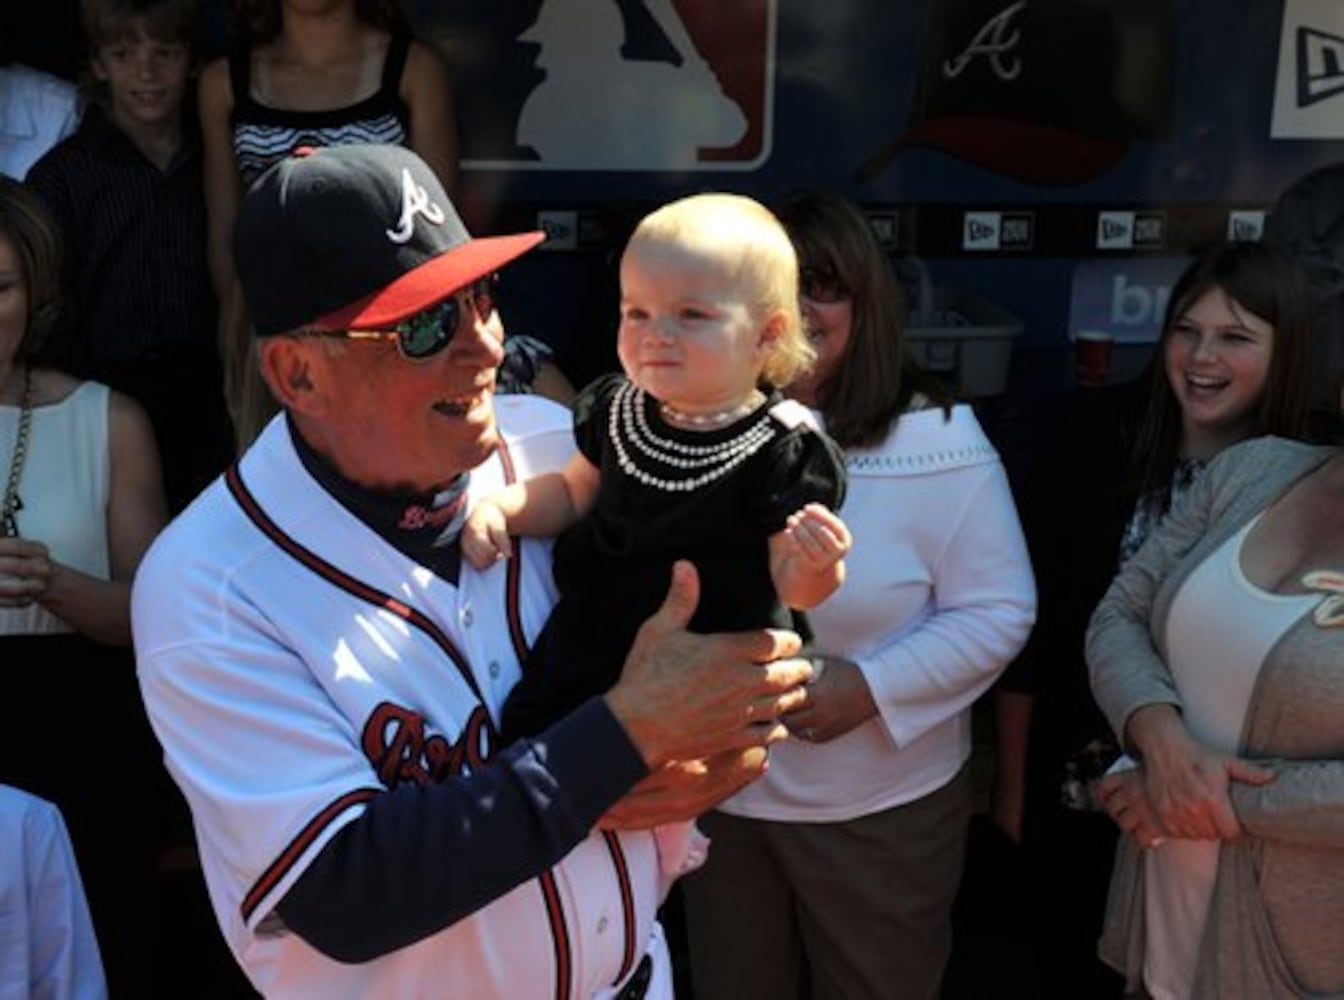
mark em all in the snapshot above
pixel 541 506
pixel 807 557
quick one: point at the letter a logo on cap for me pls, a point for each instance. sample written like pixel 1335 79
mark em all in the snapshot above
pixel 414 201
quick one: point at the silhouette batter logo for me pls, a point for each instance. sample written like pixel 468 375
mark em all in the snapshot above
pixel 648 85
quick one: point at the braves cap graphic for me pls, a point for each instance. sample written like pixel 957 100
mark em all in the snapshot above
pixel 355 237
pixel 1050 92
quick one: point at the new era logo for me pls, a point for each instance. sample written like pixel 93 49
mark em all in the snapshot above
pixel 1131 230
pixel 987 231
pixel 1243 224
pixel 1320 66
pixel 1309 86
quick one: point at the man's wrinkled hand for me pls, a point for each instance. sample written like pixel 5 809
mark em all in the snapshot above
pixel 683 790
pixel 684 696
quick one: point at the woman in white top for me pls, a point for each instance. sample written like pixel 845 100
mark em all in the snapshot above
pixel 81 498
pixel 834 874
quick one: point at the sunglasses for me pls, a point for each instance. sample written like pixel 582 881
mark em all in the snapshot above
pixel 429 331
pixel 821 285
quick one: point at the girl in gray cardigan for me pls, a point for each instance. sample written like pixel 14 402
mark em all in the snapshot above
pixel 1218 657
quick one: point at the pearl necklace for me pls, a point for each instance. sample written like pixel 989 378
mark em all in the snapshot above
pixel 628 425
pixel 710 420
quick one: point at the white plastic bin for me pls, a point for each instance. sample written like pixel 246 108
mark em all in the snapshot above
pixel 969 343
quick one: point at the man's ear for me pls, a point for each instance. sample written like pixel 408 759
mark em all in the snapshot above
pixel 287 366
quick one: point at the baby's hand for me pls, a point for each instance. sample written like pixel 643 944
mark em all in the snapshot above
pixel 485 536
pixel 818 535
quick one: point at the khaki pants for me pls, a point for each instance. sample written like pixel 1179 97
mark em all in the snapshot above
pixel 843 910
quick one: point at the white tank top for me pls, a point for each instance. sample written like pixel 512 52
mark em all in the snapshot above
pixel 64 489
pixel 1221 628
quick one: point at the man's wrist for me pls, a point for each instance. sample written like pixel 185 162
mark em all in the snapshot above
pixel 622 710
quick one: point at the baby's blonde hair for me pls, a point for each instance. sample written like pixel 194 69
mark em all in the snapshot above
pixel 750 241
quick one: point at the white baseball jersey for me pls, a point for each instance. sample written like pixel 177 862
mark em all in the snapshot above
pixel 284 648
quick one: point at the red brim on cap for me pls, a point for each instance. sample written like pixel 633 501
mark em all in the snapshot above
pixel 1026 151
pixel 431 282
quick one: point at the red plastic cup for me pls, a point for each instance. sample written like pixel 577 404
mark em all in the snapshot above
pixel 1092 356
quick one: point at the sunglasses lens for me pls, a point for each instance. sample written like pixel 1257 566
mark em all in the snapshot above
pixel 426 333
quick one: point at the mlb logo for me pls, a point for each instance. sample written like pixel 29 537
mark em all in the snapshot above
pixel 632 85
pixel 981 230
pixel 1309 87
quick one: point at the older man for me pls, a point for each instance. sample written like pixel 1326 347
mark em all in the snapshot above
pixel 325 674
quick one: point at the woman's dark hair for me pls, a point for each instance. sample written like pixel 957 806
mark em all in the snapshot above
pixel 36 239
pixel 259 21
pixel 1266 282
pixel 876 379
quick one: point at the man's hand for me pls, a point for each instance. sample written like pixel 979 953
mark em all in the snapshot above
pixel 684 696
pixel 683 790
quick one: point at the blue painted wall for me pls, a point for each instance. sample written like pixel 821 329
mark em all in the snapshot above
pixel 846 83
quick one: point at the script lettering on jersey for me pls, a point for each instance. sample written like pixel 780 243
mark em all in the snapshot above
pixel 994 41
pixel 414 201
pixel 396 744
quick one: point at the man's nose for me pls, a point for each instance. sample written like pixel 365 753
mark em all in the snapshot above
pixel 479 340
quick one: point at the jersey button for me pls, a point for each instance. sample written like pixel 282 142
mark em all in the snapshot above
pixel 494 668
pixel 467 617
pixel 601 925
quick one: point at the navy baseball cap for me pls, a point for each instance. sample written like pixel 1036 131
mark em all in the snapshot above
pixel 355 237
pixel 1051 92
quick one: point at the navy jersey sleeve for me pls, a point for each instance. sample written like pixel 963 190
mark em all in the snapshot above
pixel 421 858
pixel 591 409
pixel 804 466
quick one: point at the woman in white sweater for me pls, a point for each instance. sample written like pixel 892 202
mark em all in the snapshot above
pixel 834 874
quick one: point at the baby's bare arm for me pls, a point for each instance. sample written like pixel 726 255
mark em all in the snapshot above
pixel 539 507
